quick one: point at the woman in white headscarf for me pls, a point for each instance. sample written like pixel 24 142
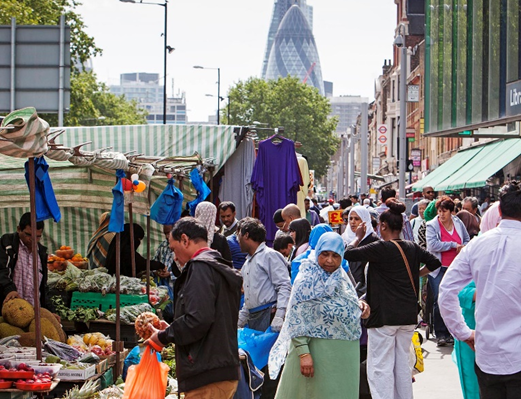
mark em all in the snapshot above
pixel 206 213
pixel 356 216
pixel 321 331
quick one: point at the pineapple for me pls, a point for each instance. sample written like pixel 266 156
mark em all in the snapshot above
pixel 87 391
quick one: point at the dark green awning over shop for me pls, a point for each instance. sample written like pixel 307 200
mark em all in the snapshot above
pixel 472 168
pixel 444 171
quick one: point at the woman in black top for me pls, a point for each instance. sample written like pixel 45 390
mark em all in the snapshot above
pixel 126 257
pixel 393 301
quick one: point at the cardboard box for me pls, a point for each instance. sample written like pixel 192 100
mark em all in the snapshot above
pixel 77 374
pixel 102 366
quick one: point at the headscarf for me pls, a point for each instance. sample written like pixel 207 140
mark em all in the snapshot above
pixel 322 305
pixel 363 213
pixel 314 236
pixel 302 229
pixel 470 222
pixel 206 212
pixel 430 212
pixel 102 229
pixel 491 217
pixel 99 244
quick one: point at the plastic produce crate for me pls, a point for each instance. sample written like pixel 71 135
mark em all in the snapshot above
pixel 104 302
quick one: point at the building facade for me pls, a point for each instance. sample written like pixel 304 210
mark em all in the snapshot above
pixel 146 89
pixel 280 8
pixel 294 51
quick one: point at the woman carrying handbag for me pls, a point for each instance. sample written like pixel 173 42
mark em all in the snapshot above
pixel 392 286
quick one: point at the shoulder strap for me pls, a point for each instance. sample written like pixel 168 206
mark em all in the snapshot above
pixel 406 265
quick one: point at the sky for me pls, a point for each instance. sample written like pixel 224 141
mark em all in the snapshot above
pixel 353 38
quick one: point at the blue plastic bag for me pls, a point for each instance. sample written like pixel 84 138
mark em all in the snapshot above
pixel 257 343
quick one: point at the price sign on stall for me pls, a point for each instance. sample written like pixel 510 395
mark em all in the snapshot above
pixel 335 217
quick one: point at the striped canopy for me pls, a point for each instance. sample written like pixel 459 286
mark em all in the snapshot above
pixel 84 192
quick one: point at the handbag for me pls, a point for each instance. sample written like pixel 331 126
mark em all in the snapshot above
pixel 416 354
pixel 409 272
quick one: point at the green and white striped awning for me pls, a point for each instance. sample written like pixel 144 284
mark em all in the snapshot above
pixel 85 192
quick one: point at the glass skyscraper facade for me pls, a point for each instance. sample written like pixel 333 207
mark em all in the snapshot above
pixel 294 51
pixel 472 53
pixel 280 8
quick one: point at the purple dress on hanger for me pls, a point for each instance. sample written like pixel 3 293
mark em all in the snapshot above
pixel 276 180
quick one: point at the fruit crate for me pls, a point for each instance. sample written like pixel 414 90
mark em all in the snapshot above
pixel 104 302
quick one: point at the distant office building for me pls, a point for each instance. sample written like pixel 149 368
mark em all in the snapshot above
pixel 328 89
pixel 280 8
pixel 294 51
pixel 146 90
pixel 347 109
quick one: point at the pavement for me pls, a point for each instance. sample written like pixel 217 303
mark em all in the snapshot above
pixel 440 380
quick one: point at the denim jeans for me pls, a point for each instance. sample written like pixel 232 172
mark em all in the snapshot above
pixel 440 330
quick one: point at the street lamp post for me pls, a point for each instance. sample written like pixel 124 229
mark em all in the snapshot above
pixel 218 90
pixel 167 49
pixel 400 43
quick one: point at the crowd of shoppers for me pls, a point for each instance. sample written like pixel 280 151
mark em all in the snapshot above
pixel 338 297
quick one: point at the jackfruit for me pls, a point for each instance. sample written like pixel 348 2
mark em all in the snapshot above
pixel 27 339
pixel 18 312
pixel 7 330
pixel 49 316
pixel 48 329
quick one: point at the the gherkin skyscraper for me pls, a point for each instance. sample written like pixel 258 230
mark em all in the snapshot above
pixel 294 52
pixel 280 8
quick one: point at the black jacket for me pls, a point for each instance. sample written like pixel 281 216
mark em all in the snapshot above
pixel 204 330
pixel 9 245
pixel 357 268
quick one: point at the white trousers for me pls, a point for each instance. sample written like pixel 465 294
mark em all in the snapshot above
pixel 388 369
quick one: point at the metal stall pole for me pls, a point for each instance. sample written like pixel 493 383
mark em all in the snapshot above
pixel 117 346
pixel 132 246
pixel 148 257
pixel 36 272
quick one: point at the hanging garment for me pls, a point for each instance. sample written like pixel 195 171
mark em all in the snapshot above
pixel 276 180
pixel 202 189
pixel 117 215
pixel 46 204
pixel 168 206
pixel 303 190
pixel 236 184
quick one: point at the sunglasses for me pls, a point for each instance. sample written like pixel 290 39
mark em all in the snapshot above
pixel 429 192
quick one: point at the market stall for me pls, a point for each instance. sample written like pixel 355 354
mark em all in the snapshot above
pixel 83 182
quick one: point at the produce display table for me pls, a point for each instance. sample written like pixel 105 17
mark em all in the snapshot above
pixel 128 331
pixel 67 385
pixel 13 393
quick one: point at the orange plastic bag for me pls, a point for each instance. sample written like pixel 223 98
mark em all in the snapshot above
pixel 148 379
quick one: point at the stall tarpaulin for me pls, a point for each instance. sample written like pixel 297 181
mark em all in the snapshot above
pixel 84 192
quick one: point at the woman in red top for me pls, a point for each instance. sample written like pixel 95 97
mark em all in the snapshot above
pixel 446 236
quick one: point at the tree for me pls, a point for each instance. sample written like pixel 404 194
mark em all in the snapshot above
pixel 296 106
pixel 48 12
pixel 93 104
pixel 91 101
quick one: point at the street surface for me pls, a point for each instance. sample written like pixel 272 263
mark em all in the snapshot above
pixel 440 380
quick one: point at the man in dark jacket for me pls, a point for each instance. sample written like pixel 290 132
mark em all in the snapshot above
pixel 16 264
pixel 204 330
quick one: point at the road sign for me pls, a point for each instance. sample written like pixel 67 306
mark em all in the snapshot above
pixel 413 93
pixel 382 139
pixel 382 129
pixel 335 217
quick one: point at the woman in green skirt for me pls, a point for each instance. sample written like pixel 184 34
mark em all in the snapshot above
pixel 321 332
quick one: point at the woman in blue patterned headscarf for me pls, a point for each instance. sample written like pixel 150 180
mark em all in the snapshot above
pixel 321 331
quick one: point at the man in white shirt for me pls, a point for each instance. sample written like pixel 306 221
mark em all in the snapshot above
pixel 492 261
